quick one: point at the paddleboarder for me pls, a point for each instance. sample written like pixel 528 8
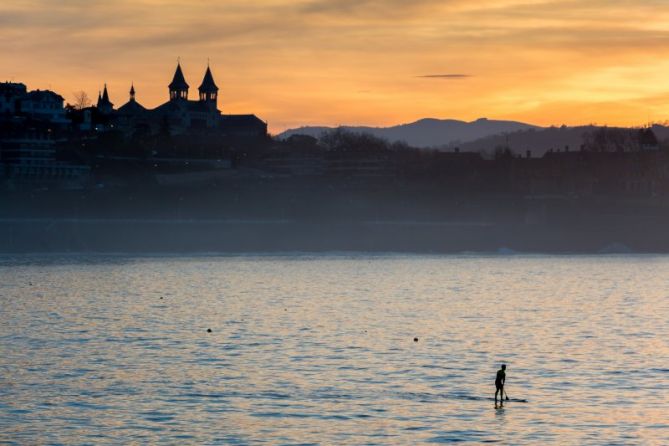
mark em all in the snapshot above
pixel 499 383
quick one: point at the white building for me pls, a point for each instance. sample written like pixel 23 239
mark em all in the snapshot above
pixel 42 105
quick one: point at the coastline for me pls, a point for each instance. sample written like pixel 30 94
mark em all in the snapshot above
pixel 62 235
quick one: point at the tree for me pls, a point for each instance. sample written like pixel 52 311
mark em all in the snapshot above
pixel 81 100
pixel 612 139
pixel 502 153
pixel 343 140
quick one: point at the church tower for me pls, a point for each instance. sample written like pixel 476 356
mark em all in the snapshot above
pixel 208 89
pixel 104 105
pixel 178 86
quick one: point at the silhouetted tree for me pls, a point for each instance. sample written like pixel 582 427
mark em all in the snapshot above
pixel 502 153
pixel 400 146
pixel 342 140
pixel 81 100
pixel 302 143
pixel 606 139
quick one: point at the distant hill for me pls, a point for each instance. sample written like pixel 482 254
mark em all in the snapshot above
pixel 537 141
pixel 540 140
pixel 428 132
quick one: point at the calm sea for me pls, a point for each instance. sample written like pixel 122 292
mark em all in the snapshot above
pixel 320 349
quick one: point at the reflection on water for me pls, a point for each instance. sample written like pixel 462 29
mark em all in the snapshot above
pixel 320 350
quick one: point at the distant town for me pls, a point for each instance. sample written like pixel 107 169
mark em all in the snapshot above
pixel 46 144
pixel 185 159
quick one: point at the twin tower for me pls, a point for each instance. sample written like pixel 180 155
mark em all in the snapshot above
pixel 179 87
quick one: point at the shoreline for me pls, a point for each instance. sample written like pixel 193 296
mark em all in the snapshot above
pixel 72 235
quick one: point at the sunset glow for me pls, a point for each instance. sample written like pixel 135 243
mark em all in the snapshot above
pixel 366 62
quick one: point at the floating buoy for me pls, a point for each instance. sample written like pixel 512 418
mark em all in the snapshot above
pixel 415 339
pixel 208 330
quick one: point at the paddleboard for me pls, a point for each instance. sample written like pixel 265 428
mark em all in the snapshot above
pixel 511 400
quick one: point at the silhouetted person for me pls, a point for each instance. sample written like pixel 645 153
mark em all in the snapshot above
pixel 499 383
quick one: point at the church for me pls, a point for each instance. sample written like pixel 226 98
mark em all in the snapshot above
pixel 181 115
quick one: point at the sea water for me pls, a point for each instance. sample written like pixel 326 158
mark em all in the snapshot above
pixel 320 349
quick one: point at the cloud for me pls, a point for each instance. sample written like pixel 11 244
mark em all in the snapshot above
pixel 370 8
pixel 445 76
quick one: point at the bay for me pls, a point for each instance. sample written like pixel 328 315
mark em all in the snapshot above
pixel 319 349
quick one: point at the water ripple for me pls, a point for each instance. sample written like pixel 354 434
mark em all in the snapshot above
pixel 318 350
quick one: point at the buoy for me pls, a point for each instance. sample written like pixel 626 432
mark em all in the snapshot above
pixel 415 339
pixel 208 330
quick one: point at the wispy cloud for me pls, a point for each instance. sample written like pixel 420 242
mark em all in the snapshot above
pixel 372 9
pixel 445 76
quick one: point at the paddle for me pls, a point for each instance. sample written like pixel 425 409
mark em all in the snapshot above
pixel 507 395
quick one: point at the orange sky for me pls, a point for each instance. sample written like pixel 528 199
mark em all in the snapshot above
pixel 330 62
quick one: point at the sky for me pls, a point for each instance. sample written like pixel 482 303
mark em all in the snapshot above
pixel 356 62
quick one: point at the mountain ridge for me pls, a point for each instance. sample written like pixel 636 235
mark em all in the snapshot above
pixel 426 132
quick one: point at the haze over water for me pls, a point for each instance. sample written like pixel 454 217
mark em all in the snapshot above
pixel 319 349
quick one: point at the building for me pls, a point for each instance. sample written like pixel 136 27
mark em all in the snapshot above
pixel 181 115
pixel 44 105
pixel 104 105
pixel 28 159
pixel 38 105
pixel 10 94
pixel 32 123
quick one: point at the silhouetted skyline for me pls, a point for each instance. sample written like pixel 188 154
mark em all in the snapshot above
pixel 368 62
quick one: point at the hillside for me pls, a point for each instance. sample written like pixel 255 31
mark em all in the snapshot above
pixel 540 141
pixel 428 132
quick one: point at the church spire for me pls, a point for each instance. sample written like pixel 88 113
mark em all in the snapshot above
pixel 132 92
pixel 104 104
pixel 208 89
pixel 105 95
pixel 178 87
